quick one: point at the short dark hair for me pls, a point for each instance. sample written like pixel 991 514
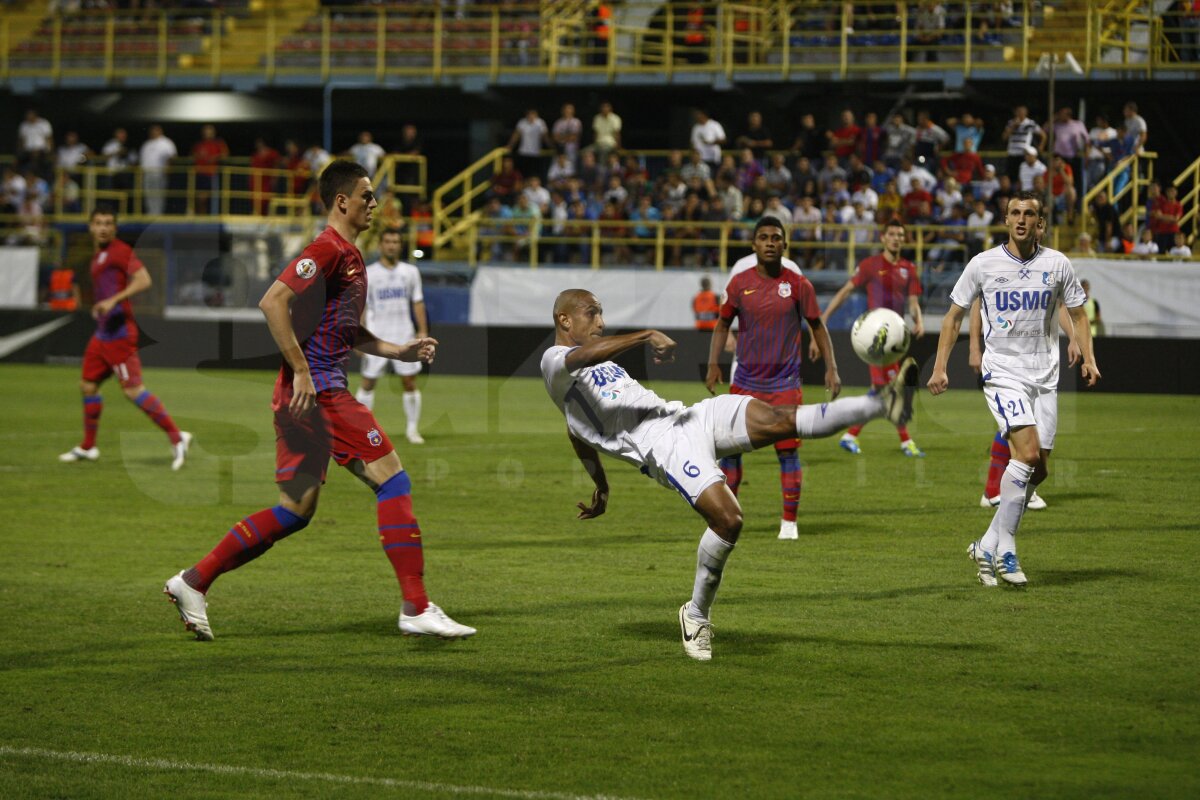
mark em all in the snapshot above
pixel 1028 194
pixel 391 232
pixel 768 221
pixel 339 178
pixel 894 222
pixel 103 210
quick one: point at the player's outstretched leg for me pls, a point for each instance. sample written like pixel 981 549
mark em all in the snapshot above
pixel 893 402
pixel 248 539
pixel 400 535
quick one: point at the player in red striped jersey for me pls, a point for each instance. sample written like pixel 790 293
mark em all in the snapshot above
pixel 314 311
pixel 769 302
pixel 890 281
pixel 117 275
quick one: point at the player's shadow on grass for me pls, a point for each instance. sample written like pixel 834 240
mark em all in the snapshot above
pixel 749 642
pixel 1068 577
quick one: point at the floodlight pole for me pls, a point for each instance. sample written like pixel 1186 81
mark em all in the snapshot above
pixel 1048 202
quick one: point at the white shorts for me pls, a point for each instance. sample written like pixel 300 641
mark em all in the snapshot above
pixel 374 366
pixel 1016 404
pixel 684 456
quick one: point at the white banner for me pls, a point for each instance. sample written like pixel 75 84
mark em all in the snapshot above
pixel 18 277
pixel 631 298
pixel 1145 298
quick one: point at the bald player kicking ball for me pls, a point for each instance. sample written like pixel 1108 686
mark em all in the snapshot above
pixel 678 446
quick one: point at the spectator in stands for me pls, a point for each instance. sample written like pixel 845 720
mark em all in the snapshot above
pixel 263 161
pixel 316 158
pixel 1136 131
pixel 951 241
pixel 748 173
pixel 207 155
pixel 118 158
pixel 526 225
pixel 1189 23
pixel 567 133
pixel 495 226
pixel 73 153
pixel 965 165
pixel 561 169
pixel 778 176
pixel 606 131
pixel 948 196
pixel 731 197
pixel 872 140
pixel 837 195
pixel 908 172
pixel 408 173
pixel 857 173
pixel 1062 188
pixel 155 156
pixel 881 173
pixel 706 306
pixel 613 232
pixel 35 142
pixel 891 203
pixel 1070 142
pixel 1165 218
pixel 368 153
pixel 987 187
pixel 900 140
pixel 529 137
pixel 844 139
pixel 1179 247
pixel 508 182
pixel 968 126
pixel 931 138
pixel 978 222
pixel 1146 246
pixel 928 24
pixel 1108 223
pixel 867 196
pixel 1103 146
pixel 645 218
pixel 695 168
pixel 707 137
pixel 67 192
pixel 538 195
pixel 805 171
pixel 828 173
pixel 918 202
pixel 1030 169
pixel 1021 132
pixel 1083 245
pixel 809 143
pixel 293 162
pixel 757 136
pixel 807 220
pixel 861 223
pixel 12 191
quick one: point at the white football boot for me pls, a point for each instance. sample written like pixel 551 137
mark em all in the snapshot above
pixel 984 562
pixel 1036 503
pixel 79 454
pixel 697 636
pixel 787 529
pixel 433 622
pixel 413 436
pixel 191 605
pixel 180 450
pixel 1009 570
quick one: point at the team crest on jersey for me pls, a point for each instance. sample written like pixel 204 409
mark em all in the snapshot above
pixel 1047 279
pixel 785 289
pixel 903 273
pixel 1024 274
pixel 374 437
pixel 103 257
pixel 306 268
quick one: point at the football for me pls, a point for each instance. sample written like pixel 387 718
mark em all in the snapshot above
pixel 880 337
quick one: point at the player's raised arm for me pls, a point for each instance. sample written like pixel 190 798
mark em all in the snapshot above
pixel 276 306
pixel 939 381
pixel 719 339
pixel 608 348
pixel 591 462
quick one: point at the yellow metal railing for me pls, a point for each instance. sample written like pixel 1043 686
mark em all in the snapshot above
pixel 1127 181
pixel 1188 183
pixel 433 40
pixel 456 202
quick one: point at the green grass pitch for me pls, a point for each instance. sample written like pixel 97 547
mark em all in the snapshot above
pixel 861 661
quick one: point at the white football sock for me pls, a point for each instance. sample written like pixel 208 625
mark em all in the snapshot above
pixel 366 398
pixel 826 419
pixel 710 563
pixel 1015 487
pixel 412 408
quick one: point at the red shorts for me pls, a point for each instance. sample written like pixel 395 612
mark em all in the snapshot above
pixel 339 426
pixel 103 358
pixel 788 397
pixel 881 376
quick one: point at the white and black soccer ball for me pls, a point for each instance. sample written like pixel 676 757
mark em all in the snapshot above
pixel 880 337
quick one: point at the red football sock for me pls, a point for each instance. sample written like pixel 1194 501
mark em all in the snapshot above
pixel 732 467
pixel 401 538
pixel 246 541
pixel 855 431
pixel 155 411
pixel 903 431
pixel 92 406
pixel 790 475
pixel 1000 457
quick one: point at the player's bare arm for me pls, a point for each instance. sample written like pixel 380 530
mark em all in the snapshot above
pixel 608 348
pixel 720 338
pixel 422 320
pixel 591 462
pixel 939 381
pixel 820 337
pixel 914 311
pixel 814 349
pixel 422 348
pixel 975 337
pixel 138 283
pixel 1068 327
pixel 1083 337
pixel 276 306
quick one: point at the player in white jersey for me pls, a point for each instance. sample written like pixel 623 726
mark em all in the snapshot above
pixel 678 446
pixel 394 298
pixel 1020 285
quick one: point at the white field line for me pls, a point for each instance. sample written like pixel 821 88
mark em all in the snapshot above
pixel 286 775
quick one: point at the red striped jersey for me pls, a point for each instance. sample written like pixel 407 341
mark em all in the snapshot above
pixel 111 267
pixel 887 285
pixel 330 280
pixel 769 312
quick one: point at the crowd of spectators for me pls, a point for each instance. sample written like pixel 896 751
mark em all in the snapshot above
pixel 833 185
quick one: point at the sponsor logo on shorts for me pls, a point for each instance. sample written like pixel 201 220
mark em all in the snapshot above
pixel 785 289
pixel 374 437
pixel 306 268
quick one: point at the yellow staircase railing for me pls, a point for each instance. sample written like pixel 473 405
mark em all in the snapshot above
pixel 1188 183
pixel 1126 181
pixel 456 202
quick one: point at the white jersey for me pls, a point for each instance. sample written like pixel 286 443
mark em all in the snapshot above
pixel 1020 310
pixel 605 407
pixel 391 293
